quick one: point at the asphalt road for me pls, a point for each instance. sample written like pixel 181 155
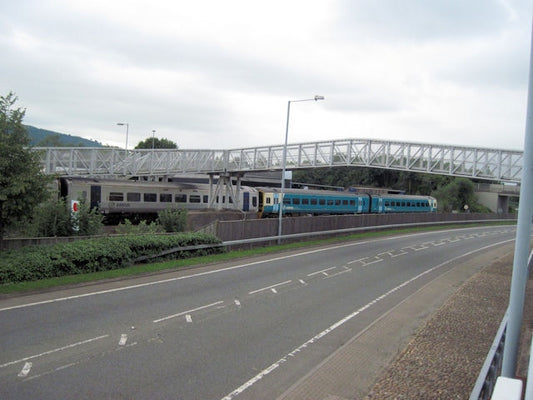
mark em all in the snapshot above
pixel 246 329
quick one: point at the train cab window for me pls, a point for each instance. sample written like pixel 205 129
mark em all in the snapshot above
pixel 181 198
pixel 314 202
pixel 305 201
pixel 206 198
pixel 150 197
pixel 165 198
pixel 194 198
pixel 133 196
pixel 116 196
pixel 296 201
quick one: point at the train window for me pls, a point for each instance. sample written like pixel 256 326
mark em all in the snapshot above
pixel 181 198
pixel 268 200
pixel 352 203
pixel 116 196
pixel 387 204
pixel 206 198
pixel 133 196
pixel 165 198
pixel 305 201
pixel 314 202
pixel 254 201
pixel 330 202
pixel 403 203
pixel 286 200
pixel 296 201
pixel 418 204
pixel 150 197
pixel 322 202
pixel 337 202
pixel 194 198
pixel 230 199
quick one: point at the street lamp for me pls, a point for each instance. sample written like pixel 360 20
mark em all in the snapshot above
pixel 280 201
pixel 127 131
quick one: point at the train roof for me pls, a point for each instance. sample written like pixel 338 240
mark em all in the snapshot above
pixel 315 192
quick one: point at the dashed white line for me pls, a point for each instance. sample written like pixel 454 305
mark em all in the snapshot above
pixel 54 351
pixel 237 303
pixel 270 287
pixel 322 271
pixel 123 339
pixel 188 318
pixel 25 370
pixel 188 311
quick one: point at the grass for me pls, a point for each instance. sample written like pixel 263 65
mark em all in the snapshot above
pixel 142 269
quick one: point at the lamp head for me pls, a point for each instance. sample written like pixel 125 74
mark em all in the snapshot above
pixel 317 97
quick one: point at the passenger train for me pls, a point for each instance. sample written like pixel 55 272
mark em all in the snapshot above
pixel 119 199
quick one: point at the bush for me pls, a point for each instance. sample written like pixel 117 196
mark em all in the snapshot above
pixel 173 220
pixel 128 228
pixel 39 262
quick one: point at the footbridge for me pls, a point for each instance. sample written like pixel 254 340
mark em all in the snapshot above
pixel 471 162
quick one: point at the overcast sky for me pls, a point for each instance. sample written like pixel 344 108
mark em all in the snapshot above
pixel 218 74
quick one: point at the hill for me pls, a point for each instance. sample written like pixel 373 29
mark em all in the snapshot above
pixel 45 138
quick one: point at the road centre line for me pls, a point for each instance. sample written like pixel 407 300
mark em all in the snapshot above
pixel 341 322
pixel 234 267
pixel 270 287
pixel 54 351
pixel 155 321
pixel 323 271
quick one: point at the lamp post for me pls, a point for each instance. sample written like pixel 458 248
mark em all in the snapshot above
pixel 127 131
pixel 152 156
pixel 280 201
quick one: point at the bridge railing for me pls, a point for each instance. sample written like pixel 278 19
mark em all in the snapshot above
pixel 480 163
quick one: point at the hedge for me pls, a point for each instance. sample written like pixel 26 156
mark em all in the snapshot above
pixel 91 255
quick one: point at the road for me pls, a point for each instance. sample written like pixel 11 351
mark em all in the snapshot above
pixel 244 329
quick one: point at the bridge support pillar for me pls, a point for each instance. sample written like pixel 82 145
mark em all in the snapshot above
pixel 225 193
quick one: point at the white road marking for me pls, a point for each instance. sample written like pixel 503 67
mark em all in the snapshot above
pixel 270 287
pixel 345 270
pixel 188 311
pixel 123 339
pixel 237 303
pixel 188 318
pixel 119 289
pixel 25 370
pixel 54 351
pixel 302 281
pixel 341 322
pixel 322 271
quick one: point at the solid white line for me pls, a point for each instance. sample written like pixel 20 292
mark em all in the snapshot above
pixel 341 322
pixel 188 311
pixel 54 351
pixel 270 287
pixel 219 270
pixel 25 370
pixel 123 339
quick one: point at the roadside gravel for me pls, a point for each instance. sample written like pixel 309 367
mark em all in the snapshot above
pixel 444 358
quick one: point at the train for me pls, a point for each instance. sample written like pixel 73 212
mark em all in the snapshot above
pixel 119 199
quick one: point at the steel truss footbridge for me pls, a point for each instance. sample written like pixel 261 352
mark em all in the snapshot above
pixel 471 162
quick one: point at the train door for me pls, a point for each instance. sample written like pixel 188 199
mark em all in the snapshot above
pixel 246 201
pixel 380 205
pixel 96 196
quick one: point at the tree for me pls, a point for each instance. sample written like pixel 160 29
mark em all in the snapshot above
pixel 22 183
pixel 156 143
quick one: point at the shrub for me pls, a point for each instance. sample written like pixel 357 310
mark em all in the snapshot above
pixel 82 256
pixel 173 220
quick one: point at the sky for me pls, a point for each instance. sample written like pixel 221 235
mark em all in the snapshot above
pixel 211 74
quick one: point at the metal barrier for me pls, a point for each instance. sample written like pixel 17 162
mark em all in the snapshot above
pixel 492 367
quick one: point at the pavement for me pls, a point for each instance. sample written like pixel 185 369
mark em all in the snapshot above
pixel 430 346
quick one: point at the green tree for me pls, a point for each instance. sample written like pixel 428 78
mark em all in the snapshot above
pixel 22 183
pixel 156 143
pixel 173 220
pixel 456 194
